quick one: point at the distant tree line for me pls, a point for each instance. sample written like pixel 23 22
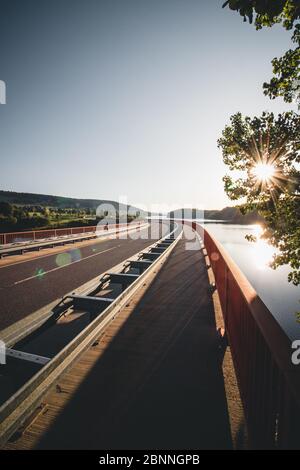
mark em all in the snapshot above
pixel 12 217
pixel 30 217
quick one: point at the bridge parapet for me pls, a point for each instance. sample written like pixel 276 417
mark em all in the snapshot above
pixel 269 382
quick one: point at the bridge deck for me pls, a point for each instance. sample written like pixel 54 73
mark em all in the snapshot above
pixel 154 380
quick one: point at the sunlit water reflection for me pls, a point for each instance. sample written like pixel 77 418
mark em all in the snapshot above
pixel 280 296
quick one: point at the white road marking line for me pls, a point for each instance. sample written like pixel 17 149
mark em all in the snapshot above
pixel 66 250
pixel 65 266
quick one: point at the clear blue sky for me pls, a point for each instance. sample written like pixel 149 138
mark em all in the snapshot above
pixel 127 97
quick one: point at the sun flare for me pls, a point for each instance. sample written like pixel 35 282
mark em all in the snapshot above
pixel 263 171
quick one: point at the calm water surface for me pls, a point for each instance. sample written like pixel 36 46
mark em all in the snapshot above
pixel 281 297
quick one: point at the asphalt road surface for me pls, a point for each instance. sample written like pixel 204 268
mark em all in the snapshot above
pixel 30 285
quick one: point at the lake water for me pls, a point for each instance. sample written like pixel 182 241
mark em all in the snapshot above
pixel 281 297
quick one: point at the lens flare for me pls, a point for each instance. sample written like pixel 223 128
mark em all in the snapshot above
pixel 75 255
pixel 39 273
pixel 63 259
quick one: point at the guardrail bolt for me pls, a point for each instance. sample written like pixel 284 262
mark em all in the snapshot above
pixel 212 287
pixel 222 339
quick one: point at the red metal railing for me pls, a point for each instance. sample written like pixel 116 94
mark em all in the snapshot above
pixel 268 380
pixel 14 237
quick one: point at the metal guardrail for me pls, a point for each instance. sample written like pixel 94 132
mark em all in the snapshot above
pixel 17 237
pixel 268 380
pixel 20 248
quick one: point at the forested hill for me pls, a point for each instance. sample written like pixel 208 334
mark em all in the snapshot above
pixel 228 214
pixel 57 202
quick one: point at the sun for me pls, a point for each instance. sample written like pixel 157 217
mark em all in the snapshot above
pixel 263 171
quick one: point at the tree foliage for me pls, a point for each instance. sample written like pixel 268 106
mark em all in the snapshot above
pixel 286 69
pixel 271 143
pixel 267 12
